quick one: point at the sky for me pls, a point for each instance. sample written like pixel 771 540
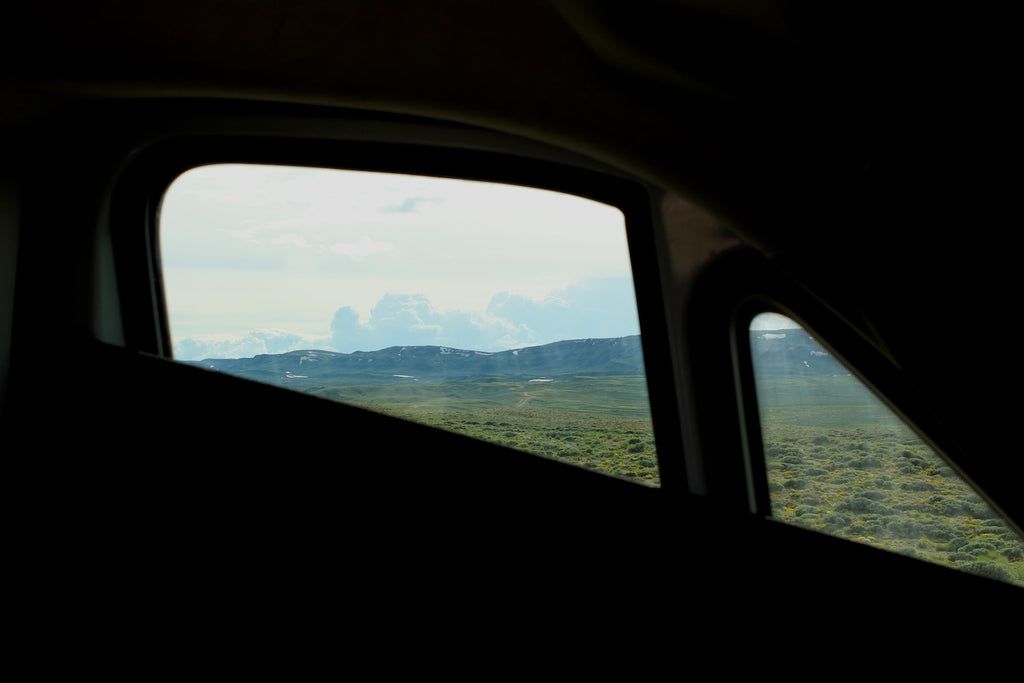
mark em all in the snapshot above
pixel 268 259
pixel 772 321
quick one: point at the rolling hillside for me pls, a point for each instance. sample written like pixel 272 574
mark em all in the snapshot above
pixel 398 365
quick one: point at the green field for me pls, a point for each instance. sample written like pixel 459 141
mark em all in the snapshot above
pixel 619 446
pixel 816 401
pixel 841 463
pixel 599 423
pixel 619 396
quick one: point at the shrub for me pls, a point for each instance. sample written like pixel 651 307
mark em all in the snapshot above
pixel 988 570
pixel 940 531
pixel 861 504
pixel 866 463
pixel 835 520
pixel 567 452
pixel 976 548
pixel 915 485
pixel 956 543
pixel 873 528
pixel 906 528
pixel 912 465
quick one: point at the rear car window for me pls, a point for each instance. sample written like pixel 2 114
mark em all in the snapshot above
pixel 839 461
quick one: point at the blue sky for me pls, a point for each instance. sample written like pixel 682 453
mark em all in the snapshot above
pixel 260 259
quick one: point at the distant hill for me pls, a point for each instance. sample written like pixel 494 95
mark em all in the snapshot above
pixel 437 364
pixel 792 352
pixel 777 353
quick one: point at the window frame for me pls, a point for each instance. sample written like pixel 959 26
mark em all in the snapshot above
pixel 864 361
pixel 420 150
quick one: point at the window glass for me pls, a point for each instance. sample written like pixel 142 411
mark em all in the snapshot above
pixel 840 462
pixel 502 312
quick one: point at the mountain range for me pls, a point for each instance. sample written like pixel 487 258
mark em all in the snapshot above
pixel 437 364
pixel 791 351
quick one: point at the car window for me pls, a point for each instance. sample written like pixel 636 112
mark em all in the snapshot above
pixel 502 312
pixel 840 462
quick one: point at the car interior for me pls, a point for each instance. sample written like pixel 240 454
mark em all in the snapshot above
pixel 855 166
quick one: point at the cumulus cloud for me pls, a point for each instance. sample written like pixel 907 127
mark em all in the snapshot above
pixel 598 308
pixel 595 308
pixel 246 345
pixel 410 319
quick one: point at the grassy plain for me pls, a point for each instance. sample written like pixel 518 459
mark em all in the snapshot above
pixel 599 423
pixel 841 463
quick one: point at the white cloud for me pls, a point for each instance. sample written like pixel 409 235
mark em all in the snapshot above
pixel 291 239
pixel 361 248
pixel 601 308
pixel 244 345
